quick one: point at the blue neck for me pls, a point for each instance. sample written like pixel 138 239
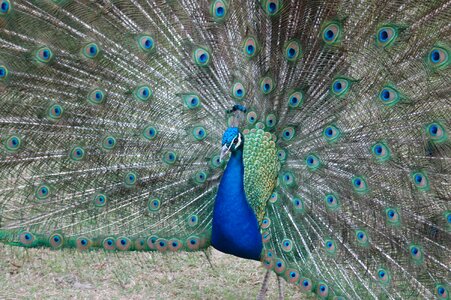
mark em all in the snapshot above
pixel 235 226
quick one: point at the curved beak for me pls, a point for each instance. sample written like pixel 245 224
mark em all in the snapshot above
pixel 224 151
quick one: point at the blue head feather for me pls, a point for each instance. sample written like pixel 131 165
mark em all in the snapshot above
pixel 229 135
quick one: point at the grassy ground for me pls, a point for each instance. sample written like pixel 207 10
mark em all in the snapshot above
pixel 42 273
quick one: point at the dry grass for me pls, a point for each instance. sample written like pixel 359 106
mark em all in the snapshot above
pixel 46 274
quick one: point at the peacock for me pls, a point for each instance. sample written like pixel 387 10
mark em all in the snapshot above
pixel 312 136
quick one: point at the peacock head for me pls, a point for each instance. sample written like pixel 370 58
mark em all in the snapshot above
pixel 232 140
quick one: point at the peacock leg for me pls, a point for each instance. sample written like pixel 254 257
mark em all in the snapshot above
pixel 264 289
pixel 280 284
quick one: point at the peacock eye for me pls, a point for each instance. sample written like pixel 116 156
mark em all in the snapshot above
pixel 386 36
pixel 235 141
pixel 201 57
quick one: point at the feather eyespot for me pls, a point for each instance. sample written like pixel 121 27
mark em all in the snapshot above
pixel 108 142
pixel 287 245
pixel 143 93
pixel 250 47
pixel 100 200
pixel 199 133
pixel 288 133
pixel 279 265
pixel 161 244
pixel 392 216
pixel 420 180
pixel 298 205
pixel 91 50
pixel 331 133
pixel 191 101
pixel 389 96
pixel 13 143
pixel 56 240
pixel 123 243
pixel 4 72
pixel 109 243
pixel 359 184
pixel 252 117
pixel 238 91
pixel 44 55
pixel 219 10
pixel 42 192
pixel 83 243
pixel 153 204
pixel 295 99
pixel 274 197
pixel 288 179
pixel 267 85
pixel 436 132
pixel 362 238
pixel 96 96
pixel 383 276
pixel 26 238
pixel 271 121
pixel 152 242
pixel 386 36
pixel 55 112
pixel 170 157
pixel 306 284
pixel 5 7
pixel 272 7
pixel 330 246
pixel 322 290
pixel 201 57
pixel 200 177
pixel 215 162
pixel 77 153
pixel 291 275
pixel 174 245
pixel 149 132
pixel 438 57
pixel 130 179
pixel 340 86
pixel 266 222
pixel 193 220
pixel 313 162
pixel 193 243
pixel 416 253
pixel 293 51
pixel 381 152
pixel 441 291
pixel 331 33
pixel 146 43
pixel 332 202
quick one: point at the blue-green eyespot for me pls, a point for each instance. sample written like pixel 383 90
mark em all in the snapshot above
pixel 143 93
pixel 438 57
pixel 340 86
pixel 292 50
pixel 201 57
pixel 389 95
pixel 238 91
pixel 13 143
pixel 295 99
pixel 90 50
pixel 191 101
pixel 331 133
pixel 250 47
pixel 219 10
pixel 146 43
pixel 331 33
pixel 386 36
pixel 44 55
pixel 436 132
